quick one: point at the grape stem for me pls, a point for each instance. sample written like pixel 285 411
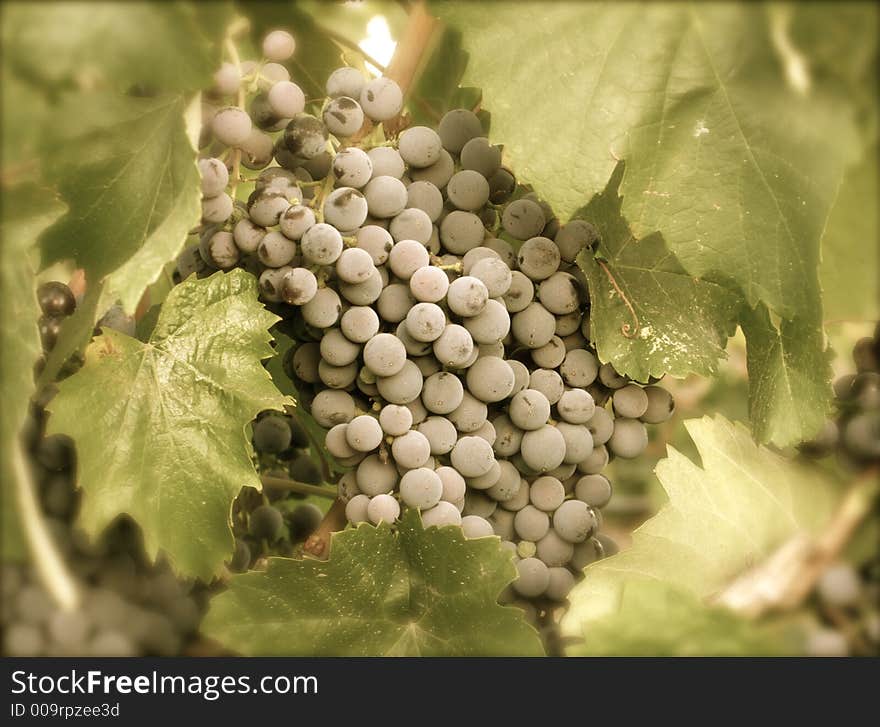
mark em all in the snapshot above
pixel 625 329
pixel 51 569
pixel 294 486
pixel 788 576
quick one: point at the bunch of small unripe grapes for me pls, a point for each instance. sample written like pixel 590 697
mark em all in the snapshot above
pixel 442 323
pixel 273 521
pixel 846 598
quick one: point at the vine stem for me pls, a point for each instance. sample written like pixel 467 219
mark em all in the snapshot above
pixel 625 328
pixel 788 576
pixel 47 560
pixel 295 486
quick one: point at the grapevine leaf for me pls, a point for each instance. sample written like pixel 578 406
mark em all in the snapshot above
pixel 171 46
pixel 734 153
pixel 166 443
pixel 436 89
pixel 850 255
pixel 404 592
pixel 129 176
pixel 26 211
pixel 721 518
pixel 689 628
pixel 679 324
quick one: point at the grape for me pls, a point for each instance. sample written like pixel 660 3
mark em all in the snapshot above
pixel 263 117
pixel 476 503
pixel 305 362
pixel 533 326
pixel 429 284
pixel 468 190
pixel 304 520
pixel 227 79
pixel 363 293
pixel 386 196
pixel 241 557
pixel 473 526
pixel 825 642
pixel 286 99
pixel 275 250
pixel 322 243
pixel 454 487
pixel 337 350
pixel 520 293
pixel 265 523
pixel 568 327
pixel 629 438
pixel 472 257
pixel 386 162
pixel 861 436
pixel 345 208
pixel 419 146
pixel 231 126
pixel 578 442
pixel 472 456
pixel 589 551
pixel 467 296
pixel 543 449
pixel 217 209
pixel 298 287
pixel 440 433
pixel 576 406
pixel 442 393
pixel 413 347
pixel 574 521
pixel 352 167
pixel 630 401
pixel 402 387
pixel 344 117
pixel 276 179
pixel 247 235
pixel 381 99
pixel 359 324
pixel 383 508
pixel 661 405
pixel 490 379
pixel 454 346
pixel 481 156
pixel 219 250
pixel 839 586
pixel 267 208
pixel 443 513
pixel 355 265
pixel 421 488
pixel 494 274
pixel 363 433
pixel 305 136
pixel 523 219
pixel 461 231
pixel 437 174
pixel 345 82
pixel 547 493
pixel 508 436
pixel 278 45
pixel 457 127
pixel 412 224
pixel 337 377
pixel 610 378
pixel 356 509
pixel 330 408
pixel 560 585
pixel 560 293
pixel 411 450
pixel 323 310
pixel 425 322
pixel 375 477
pixel 215 177
pixel 538 258
pixel 550 355
pixel 271 434
pixel 305 470
pixel 376 241
pixel 426 197
pixel 395 420
pixel 502 482
pixel 406 257
pixel 601 425
pixel 385 355
pixel 575 236
pixel 579 368
pixel 549 383
pixel 492 324
pixel 501 185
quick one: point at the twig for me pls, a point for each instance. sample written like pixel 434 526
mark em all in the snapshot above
pixel 318 543
pixel 48 562
pixel 625 329
pixel 788 576
pixel 301 487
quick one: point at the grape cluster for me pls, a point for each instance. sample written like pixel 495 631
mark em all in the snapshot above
pixel 846 598
pixel 273 521
pixel 129 607
pixel 442 323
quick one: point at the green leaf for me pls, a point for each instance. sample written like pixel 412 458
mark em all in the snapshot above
pixel 721 519
pixel 437 86
pixel 402 592
pixel 850 255
pixel 657 619
pixel 681 323
pixel 170 46
pixel 128 173
pixel 166 441
pixel 26 211
pixel 732 153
